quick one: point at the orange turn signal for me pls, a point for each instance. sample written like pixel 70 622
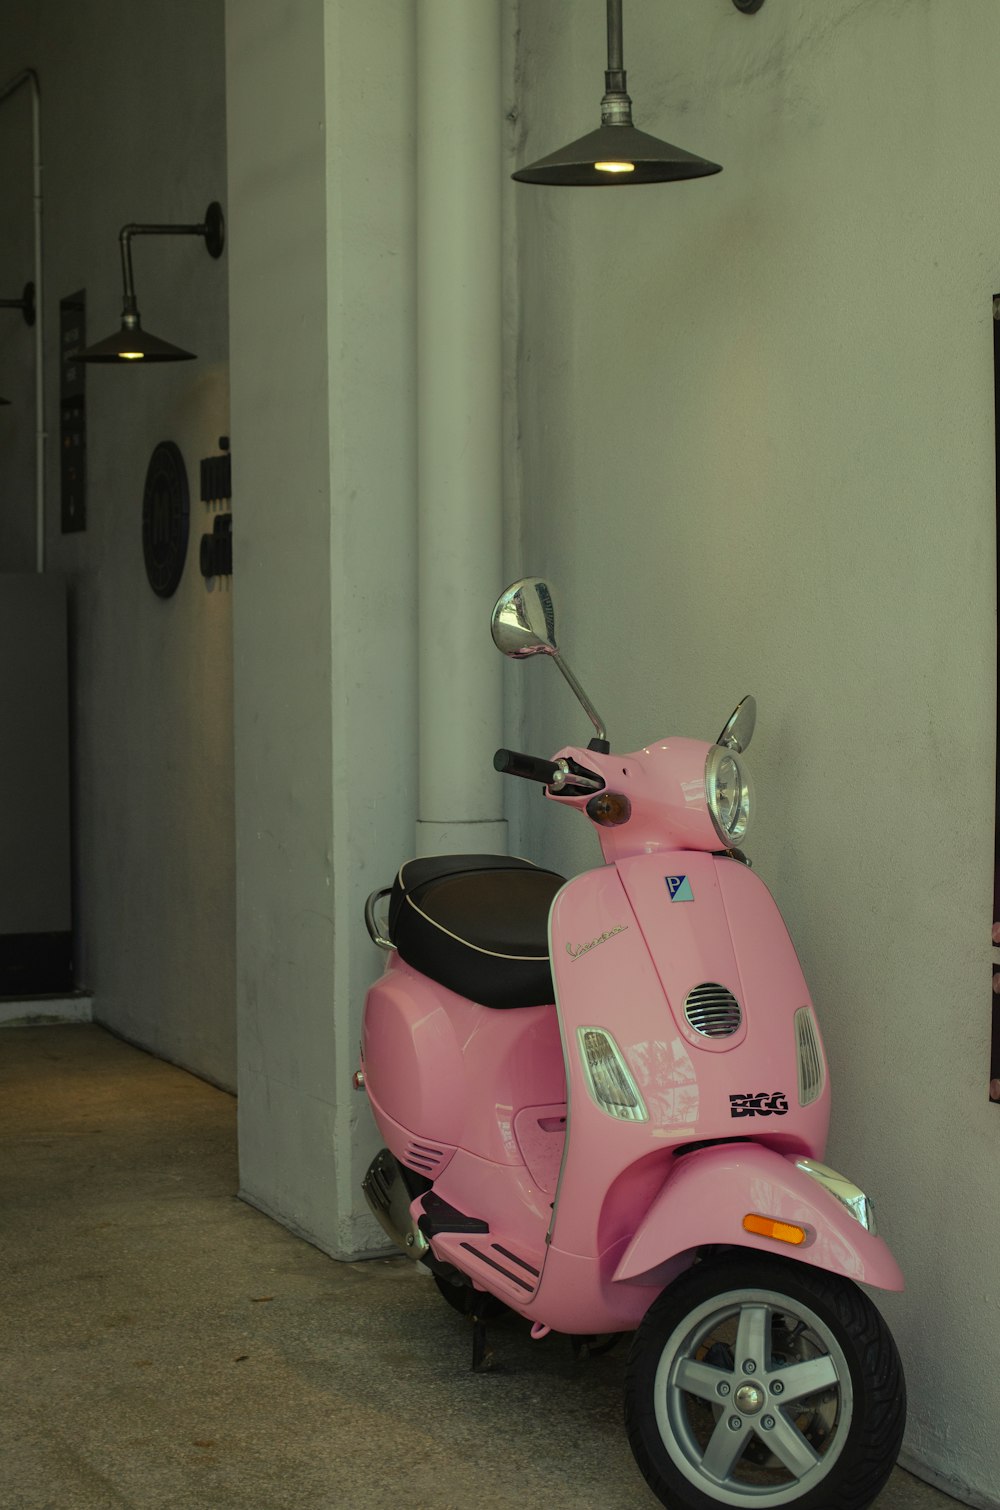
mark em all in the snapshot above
pixel 609 809
pixel 782 1232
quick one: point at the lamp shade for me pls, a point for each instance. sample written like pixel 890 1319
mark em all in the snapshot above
pixel 133 344
pixel 614 155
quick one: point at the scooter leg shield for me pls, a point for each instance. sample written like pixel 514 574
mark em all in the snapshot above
pixel 712 1191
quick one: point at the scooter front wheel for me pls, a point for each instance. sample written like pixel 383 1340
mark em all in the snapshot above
pixel 759 1383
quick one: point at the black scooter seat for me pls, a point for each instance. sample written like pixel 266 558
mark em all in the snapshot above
pixel 477 924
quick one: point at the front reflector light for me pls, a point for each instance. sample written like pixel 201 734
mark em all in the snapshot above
pixel 842 1189
pixel 608 1078
pixel 812 1076
pixel 768 1226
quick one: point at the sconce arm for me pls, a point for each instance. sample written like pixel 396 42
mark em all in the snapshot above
pixel 26 304
pixel 212 229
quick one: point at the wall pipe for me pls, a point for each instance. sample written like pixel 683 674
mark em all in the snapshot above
pixel 29 76
pixel 459 423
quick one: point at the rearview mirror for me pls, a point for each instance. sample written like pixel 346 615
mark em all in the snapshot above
pixel 524 619
pixel 524 623
pixel 739 730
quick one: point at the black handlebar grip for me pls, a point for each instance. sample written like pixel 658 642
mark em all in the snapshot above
pixel 530 767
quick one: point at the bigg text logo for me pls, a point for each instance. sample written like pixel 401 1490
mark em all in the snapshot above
pixel 763 1104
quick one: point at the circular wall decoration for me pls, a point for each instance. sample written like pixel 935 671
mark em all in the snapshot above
pixel 165 510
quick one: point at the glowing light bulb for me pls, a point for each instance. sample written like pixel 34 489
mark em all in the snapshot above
pixel 615 167
pixel 131 356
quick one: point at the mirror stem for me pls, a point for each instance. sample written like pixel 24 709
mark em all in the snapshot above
pixel 581 696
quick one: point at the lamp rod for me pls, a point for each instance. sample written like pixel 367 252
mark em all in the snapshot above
pixel 26 76
pixel 616 107
pixel 615 55
pixel 125 243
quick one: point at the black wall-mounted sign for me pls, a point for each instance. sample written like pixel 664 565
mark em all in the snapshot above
pixel 165 516
pixel 72 413
pixel 216 556
pixel 217 475
pixel 217 548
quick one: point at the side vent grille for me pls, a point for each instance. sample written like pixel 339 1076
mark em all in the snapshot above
pixel 424 1158
pixel 810 1057
pixel 713 1011
pixel 377 1186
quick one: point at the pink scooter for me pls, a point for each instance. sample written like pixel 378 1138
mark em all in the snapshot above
pixel 605 1102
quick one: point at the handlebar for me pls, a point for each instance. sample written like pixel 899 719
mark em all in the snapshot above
pixel 564 778
pixel 530 767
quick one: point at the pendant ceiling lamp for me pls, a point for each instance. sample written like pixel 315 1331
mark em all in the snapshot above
pixel 131 343
pixel 616 153
pixel 26 304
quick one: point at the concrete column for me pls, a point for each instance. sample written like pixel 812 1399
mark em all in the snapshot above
pixel 459 426
pixel 322 314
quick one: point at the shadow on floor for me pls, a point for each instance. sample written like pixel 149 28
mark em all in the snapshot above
pixel 164 1344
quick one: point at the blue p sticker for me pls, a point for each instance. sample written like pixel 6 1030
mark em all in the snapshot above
pixel 679 888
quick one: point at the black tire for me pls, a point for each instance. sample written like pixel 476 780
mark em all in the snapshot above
pixel 817 1421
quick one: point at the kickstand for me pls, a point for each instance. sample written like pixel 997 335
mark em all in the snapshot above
pixel 483 1361
pixel 593 1347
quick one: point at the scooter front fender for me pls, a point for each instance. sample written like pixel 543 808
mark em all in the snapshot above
pixel 710 1191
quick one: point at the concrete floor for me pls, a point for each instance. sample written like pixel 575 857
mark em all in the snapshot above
pixel 164 1344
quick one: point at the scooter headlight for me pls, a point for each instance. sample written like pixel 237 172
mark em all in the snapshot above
pixel 729 791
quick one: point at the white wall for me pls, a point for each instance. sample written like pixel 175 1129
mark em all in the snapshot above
pixel 757 450
pixel 133 129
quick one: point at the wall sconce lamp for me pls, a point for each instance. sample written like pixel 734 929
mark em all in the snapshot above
pixel 616 153
pixel 26 304
pixel 131 343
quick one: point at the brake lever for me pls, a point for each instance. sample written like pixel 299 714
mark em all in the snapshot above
pixel 568 777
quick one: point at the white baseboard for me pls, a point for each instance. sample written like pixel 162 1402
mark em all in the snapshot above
pixel 36 1011
pixel 955 1488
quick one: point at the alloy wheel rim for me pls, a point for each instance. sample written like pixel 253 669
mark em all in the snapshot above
pixel 753 1398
